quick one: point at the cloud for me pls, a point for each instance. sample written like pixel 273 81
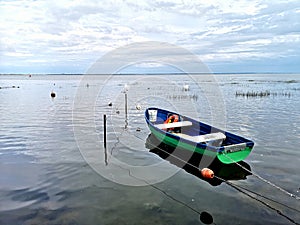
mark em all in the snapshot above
pixel 64 33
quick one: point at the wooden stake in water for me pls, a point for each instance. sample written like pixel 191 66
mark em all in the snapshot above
pixel 126 111
pixel 104 139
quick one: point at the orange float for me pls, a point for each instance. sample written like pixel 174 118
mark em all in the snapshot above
pixel 207 173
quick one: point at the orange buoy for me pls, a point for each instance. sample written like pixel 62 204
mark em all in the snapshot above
pixel 207 173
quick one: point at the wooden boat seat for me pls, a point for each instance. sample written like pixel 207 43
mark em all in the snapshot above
pixel 204 137
pixel 173 125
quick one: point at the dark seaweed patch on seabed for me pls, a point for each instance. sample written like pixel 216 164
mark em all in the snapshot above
pixel 25 195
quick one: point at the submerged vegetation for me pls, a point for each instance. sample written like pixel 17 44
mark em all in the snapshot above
pixel 286 92
pixel 183 97
pixel 291 81
pixel 261 94
pixel 9 87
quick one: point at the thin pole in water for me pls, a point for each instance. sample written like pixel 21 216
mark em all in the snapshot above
pixel 126 111
pixel 104 138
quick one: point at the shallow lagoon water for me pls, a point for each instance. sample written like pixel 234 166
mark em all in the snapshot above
pixel 44 178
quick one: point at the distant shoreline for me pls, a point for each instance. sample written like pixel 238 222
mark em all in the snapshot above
pixel 80 74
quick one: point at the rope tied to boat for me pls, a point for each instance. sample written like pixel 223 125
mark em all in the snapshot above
pixel 243 190
pixel 240 189
pixel 264 180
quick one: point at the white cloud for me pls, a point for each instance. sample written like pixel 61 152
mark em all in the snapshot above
pixel 149 64
pixel 216 30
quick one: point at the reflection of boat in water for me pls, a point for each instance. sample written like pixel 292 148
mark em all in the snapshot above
pixel 194 136
pixel 190 162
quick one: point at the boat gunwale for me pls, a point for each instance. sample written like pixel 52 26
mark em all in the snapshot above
pixel 214 151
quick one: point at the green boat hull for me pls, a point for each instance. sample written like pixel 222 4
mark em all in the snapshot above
pixel 226 156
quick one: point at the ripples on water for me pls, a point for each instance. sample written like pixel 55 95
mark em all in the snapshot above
pixel 45 180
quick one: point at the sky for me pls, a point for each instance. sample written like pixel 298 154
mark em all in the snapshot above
pixel 229 36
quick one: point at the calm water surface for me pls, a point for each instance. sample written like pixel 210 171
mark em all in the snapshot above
pixel 46 179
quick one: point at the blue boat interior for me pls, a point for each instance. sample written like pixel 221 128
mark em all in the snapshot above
pixel 197 128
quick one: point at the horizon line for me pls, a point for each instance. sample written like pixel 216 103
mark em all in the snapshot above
pixel 163 73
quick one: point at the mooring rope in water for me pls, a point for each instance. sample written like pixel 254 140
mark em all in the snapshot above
pixel 247 170
pixel 161 190
pixel 235 186
pixel 205 217
pixel 239 188
pixel 152 185
pixel 262 202
pixel 264 180
pixel 270 199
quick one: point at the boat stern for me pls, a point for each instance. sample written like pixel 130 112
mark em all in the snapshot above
pixel 234 153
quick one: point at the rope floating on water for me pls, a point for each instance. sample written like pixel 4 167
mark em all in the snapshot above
pixel 262 202
pixel 237 187
pixel 265 180
pixel 244 190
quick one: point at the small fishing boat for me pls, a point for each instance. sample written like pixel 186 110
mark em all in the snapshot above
pixel 188 134
pixel 191 163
